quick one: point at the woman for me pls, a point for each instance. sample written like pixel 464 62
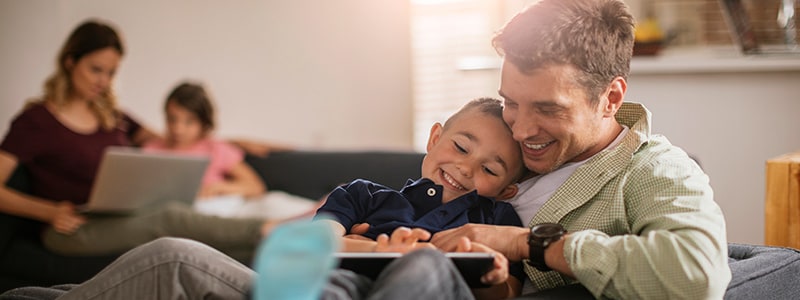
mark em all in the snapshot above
pixel 60 139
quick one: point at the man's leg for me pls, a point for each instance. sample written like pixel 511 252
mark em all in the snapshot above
pixel 168 268
pixel 421 274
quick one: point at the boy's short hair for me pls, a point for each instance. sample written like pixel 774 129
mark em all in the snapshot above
pixel 594 36
pixel 193 97
pixel 487 105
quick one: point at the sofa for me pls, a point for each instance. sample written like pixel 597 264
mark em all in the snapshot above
pixel 758 271
pixel 311 174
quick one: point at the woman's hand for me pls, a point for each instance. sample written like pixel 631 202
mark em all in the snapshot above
pixel 403 240
pixel 65 220
pixel 499 274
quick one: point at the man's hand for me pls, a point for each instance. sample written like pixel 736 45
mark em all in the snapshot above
pixel 65 220
pixel 511 241
pixel 403 240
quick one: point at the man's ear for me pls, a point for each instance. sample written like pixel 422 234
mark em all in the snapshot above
pixel 510 191
pixel 433 138
pixel 615 95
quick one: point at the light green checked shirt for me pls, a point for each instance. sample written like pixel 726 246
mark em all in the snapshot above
pixel 642 220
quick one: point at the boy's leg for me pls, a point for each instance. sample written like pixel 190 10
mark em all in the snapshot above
pixel 421 274
pixel 168 268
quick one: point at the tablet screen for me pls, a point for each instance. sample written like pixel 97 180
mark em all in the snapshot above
pixel 471 265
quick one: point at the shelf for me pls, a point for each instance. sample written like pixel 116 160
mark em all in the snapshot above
pixel 712 60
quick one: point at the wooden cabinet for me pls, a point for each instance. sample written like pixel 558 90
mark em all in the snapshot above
pixel 782 207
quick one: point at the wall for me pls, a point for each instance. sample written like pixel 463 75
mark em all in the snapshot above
pixel 732 114
pixel 326 74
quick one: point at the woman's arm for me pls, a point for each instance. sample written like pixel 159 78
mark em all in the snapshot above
pixel 59 214
pixel 144 135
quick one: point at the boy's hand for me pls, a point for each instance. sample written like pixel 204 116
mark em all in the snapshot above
pixel 497 275
pixel 403 240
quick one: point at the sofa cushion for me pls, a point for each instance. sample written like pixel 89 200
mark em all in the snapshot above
pixel 763 272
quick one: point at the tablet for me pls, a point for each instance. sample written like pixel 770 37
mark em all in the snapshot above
pixel 471 265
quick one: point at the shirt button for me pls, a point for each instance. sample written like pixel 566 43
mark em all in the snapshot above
pixel 431 192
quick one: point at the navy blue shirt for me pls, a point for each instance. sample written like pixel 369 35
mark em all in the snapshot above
pixel 417 205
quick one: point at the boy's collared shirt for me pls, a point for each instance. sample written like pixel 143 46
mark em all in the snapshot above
pixel 417 205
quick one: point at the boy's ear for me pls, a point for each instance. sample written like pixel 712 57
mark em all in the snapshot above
pixel 510 191
pixel 433 138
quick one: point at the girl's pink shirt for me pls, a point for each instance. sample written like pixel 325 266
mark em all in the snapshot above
pixel 223 156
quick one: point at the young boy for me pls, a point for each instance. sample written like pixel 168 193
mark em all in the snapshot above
pixel 471 160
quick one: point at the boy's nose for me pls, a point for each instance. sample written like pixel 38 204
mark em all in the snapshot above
pixel 465 169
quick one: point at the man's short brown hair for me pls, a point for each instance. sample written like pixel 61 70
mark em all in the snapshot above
pixel 594 36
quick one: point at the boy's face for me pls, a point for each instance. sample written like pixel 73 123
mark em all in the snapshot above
pixel 183 126
pixel 475 152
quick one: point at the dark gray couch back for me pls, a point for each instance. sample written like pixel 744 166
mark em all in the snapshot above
pixel 313 174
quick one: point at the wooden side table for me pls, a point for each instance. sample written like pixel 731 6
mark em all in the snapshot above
pixel 782 205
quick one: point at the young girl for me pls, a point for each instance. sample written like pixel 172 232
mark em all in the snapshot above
pixel 190 121
pixel 230 188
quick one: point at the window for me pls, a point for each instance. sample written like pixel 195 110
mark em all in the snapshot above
pixel 453 59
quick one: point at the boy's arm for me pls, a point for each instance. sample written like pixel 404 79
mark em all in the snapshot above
pixel 348 244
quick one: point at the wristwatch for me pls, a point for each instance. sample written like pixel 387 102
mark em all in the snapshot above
pixel 541 236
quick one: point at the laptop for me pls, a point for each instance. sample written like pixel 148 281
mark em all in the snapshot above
pixel 471 265
pixel 129 179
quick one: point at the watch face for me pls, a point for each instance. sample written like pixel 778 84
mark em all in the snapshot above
pixel 547 230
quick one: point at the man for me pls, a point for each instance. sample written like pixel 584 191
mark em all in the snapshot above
pixel 634 215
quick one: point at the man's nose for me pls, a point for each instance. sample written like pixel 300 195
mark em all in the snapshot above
pixel 524 127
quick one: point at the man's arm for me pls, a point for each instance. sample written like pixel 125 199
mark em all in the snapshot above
pixel 676 245
pixel 511 241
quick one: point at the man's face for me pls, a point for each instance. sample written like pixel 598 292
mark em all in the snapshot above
pixel 550 116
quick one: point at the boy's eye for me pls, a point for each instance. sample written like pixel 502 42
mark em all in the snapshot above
pixel 489 171
pixel 460 149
